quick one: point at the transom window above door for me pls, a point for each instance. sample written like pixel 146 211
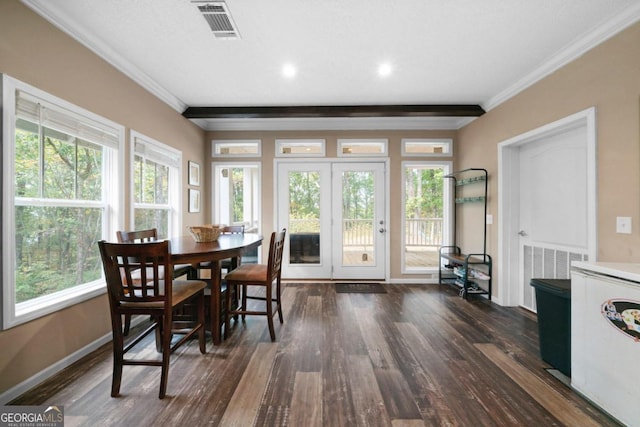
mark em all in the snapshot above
pixel 300 147
pixel 420 147
pixel 236 148
pixel 363 147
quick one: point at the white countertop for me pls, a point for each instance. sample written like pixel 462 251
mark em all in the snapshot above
pixel 621 270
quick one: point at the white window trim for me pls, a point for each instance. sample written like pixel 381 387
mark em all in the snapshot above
pixel 446 212
pixel 443 141
pixel 175 181
pixel 383 141
pixel 216 142
pixel 12 314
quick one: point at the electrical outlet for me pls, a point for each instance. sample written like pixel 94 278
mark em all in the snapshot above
pixel 623 224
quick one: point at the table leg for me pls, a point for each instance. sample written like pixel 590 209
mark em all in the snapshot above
pixel 215 303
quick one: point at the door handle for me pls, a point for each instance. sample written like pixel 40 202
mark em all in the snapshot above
pixel 382 230
pixel 522 233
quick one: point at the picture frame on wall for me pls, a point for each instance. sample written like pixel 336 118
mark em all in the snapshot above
pixel 194 200
pixel 194 173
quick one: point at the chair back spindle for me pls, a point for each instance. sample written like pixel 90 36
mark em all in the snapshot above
pixel 137 236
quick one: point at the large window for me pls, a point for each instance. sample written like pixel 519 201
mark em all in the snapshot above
pixel 156 186
pixel 60 196
pixel 425 213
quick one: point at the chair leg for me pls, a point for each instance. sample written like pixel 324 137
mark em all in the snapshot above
pixel 166 354
pixel 159 333
pixel 227 305
pixel 243 307
pixel 279 301
pixel 127 324
pixel 118 356
pixel 201 331
pixel 269 310
pixel 236 302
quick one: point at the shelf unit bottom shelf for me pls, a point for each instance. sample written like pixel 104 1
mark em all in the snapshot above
pixel 465 272
pixel 472 288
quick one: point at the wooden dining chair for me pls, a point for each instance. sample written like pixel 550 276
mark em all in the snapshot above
pixel 151 235
pixel 146 236
pixel 225 264
pixel 156 295
pixel 230 263
pixel 263 275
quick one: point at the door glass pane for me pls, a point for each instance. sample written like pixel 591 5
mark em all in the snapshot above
pixel 304 217
pixel 358 227
pixel 423 215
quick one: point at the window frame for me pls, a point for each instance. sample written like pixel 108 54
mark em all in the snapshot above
pixel 382 142
pixel 216 167
pixel 13 313
pixel 448 142
pixel 174 204
pixel 215 143
pixel 282 144
pixel 447 212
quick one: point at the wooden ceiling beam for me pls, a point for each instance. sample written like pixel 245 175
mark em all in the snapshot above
pixel 333 111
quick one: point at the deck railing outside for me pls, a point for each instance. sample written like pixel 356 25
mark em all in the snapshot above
pixel 419 232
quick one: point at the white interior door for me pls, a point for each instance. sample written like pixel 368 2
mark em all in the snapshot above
pixel 553 208
pixel 336 226
pixel 547 204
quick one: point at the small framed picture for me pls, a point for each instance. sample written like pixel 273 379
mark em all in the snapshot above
pixel 194 200
pixel 194 173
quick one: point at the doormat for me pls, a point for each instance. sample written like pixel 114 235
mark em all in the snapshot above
pixel 360 288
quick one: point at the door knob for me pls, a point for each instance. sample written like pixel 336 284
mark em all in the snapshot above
pixel 522 233
pixel 382 230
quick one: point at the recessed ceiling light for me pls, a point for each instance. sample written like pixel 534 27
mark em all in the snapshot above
pixel 384 69
pixel 289 70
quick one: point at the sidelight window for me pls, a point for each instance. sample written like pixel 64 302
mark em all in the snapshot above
pixel 425 215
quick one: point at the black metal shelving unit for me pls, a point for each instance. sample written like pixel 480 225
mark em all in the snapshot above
pixel 470 272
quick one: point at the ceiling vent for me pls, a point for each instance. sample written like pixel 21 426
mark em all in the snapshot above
pixel 219 19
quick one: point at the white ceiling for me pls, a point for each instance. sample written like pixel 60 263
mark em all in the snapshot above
pixel 440 51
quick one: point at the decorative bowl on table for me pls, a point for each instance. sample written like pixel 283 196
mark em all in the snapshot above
pixel 205 233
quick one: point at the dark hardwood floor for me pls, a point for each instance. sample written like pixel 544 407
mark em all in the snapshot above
pixel 418 355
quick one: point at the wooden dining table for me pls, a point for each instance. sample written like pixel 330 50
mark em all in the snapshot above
pixel 185 250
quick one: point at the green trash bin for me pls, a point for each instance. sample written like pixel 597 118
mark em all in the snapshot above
pixel 553 299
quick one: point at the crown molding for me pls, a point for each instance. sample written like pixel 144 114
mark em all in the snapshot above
pixel 48 11
pixel 571 52
pixel 579 47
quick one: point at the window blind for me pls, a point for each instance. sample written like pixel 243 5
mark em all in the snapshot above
pixel 156 154
pixel 31 108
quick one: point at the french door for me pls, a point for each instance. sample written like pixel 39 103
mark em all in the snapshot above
pixel 336 217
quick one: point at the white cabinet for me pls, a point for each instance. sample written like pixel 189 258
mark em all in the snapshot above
pixel 605 337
